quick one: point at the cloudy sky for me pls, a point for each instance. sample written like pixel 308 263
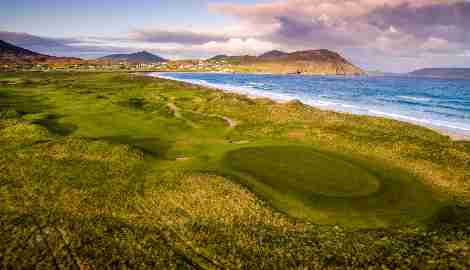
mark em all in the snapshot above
pixel 388 35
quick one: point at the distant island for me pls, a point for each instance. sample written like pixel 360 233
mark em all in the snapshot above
pixel 143 57
pixel 456 73
pixel 310 62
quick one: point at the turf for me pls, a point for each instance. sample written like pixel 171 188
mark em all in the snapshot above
pixel 303 170
pixel 328 188
pixel 117 170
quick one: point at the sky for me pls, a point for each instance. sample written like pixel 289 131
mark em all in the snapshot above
pixel 386 35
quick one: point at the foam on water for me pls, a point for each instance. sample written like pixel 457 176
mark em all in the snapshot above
pixel 439 103
pixel 419 99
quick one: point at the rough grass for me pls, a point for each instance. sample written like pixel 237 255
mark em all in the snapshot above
pixel 97 172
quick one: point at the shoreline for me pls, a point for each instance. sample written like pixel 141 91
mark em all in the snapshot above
pixel 453 135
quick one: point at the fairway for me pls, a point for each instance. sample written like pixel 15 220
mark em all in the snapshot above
pixel 330 189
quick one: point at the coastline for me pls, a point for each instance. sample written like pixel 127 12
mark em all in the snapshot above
pixel 453 135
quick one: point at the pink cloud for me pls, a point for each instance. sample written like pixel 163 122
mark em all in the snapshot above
pixel 334 23
pixel 347 8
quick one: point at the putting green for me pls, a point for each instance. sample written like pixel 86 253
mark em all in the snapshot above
pixel 331 189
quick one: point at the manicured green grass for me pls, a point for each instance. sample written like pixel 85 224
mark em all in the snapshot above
pixel 329 188
pixel 103 170
pixel 300 169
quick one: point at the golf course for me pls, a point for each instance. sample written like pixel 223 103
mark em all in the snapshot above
pixel 122 170
pixel 329 189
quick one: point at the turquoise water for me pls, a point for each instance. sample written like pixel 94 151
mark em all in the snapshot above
pixel 439 103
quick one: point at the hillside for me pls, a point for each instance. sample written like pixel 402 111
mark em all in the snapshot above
pixel 272 55
pixel 218 57
pixel 313 62
pixel 139 57
pixel 11 54
pixel 10 49
pixel 442 72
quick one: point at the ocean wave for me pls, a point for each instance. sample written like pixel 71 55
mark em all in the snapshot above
pixel 256 84
pixel 241 89
pixel 413 98
pixel 435 104
pixel 428 122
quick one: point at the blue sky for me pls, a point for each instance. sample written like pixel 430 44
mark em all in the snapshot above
pixel 59 18
pixel 389 35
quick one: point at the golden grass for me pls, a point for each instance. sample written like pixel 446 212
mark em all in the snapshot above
pixel 116 206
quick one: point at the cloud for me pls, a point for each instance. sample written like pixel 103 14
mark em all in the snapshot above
pixel 77 47
pixel 180 37
pixel 238 46
pixel 450 20
pixel 331 19
pixel 394 35
pixel 26 39
pixel 33 42
pixel 169 44
pixel 398 29
pixel 348 8
pixel 439 45
pixel 177 49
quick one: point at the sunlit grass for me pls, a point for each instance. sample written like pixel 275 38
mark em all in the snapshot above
pixel 97 170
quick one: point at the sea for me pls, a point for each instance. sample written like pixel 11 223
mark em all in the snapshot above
pixel 442 104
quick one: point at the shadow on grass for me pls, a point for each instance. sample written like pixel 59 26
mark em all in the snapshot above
pixel 451 215
pixel 155 147
pixel 23 104
pixel 52 124
pixel 133 103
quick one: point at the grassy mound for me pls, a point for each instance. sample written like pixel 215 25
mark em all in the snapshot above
pixel 330 189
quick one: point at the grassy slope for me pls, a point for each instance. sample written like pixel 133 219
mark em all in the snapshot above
pixel 108 152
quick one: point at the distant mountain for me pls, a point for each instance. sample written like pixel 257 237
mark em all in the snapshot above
pixel 140 57
pixel 235 60
pixel 11 54
pixel 313 62
pixel 383 73
pixel 7 49
pixel 273 55
pixel 218 57
pixel 463 73
pixel 31 42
